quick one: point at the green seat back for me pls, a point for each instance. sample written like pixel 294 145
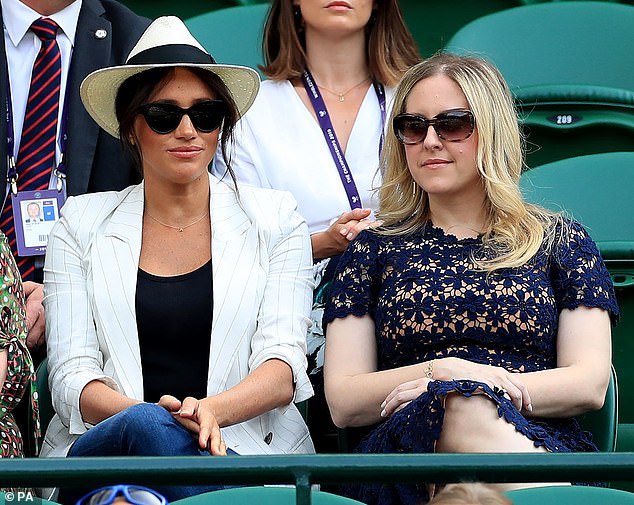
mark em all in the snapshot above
pixel 597 191
pixel 624 443
pixel 232 35
pixel 575 93
pixel 45 403
pixel 555 43
pixel 622 272
pixel 570 495
pixel 155 8
pixel 262 496
pixel 448 18
pixel 598 131
pixel 603 422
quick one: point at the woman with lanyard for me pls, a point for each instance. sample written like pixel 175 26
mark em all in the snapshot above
pixel 316 127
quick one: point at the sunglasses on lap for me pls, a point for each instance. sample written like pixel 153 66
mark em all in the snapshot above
pixel 452 125
pixel 164 118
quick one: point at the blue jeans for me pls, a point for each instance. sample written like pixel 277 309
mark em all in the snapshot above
pixel 141 430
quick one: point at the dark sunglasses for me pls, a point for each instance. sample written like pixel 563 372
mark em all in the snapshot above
pixel 164 118
pixel 452 125
pixel 138 495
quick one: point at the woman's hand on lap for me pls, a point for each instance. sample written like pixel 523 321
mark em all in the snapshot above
pixel 198 417
pixel 209 436
pixel 495 377
pixel 402 395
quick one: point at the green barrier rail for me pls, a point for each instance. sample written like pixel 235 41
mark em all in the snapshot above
pixel 304 470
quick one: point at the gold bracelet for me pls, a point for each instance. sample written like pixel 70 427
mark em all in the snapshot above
pixel 429 369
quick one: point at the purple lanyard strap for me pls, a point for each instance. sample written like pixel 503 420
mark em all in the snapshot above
pixel 60 170
pixel 338 156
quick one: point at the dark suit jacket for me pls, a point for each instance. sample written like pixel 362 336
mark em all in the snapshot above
pixel 94 159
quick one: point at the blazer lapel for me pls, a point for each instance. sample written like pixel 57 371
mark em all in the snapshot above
pixel 115 260
pixel 89 53
pixel 238 280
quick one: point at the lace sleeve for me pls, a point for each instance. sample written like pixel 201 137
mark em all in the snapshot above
pixel 579 274
pixel 353 289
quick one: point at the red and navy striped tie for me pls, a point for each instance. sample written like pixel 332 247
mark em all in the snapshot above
pixel 36 156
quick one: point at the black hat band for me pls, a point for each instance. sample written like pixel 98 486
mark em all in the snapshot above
pixel 171 54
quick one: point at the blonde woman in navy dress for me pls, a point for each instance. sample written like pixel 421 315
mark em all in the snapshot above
pixel 470 321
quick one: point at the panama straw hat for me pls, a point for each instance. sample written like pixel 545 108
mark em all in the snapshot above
pixel 166 43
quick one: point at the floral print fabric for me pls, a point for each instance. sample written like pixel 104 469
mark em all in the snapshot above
pixel 20 373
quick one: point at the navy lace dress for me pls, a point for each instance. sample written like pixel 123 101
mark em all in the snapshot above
pixel 428 301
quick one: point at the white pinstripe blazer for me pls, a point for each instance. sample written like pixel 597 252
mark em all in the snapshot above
pixel 262 285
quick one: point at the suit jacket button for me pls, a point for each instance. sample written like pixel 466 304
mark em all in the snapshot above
pixel 268 438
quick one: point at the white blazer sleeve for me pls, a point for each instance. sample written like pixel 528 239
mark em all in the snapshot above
pixel 283 317
pixel 74 358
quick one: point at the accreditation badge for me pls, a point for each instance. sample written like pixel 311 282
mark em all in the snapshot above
pixel 34 214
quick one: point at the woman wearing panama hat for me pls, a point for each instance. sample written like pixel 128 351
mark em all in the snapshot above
pixel 178 306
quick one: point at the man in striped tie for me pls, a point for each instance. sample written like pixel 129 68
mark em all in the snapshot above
pixel 48 141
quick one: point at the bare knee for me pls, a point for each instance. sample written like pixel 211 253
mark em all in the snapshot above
pixel 473 425
pixel 473 412
pixel 467 419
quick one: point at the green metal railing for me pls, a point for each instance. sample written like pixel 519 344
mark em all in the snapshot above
pixel 304 470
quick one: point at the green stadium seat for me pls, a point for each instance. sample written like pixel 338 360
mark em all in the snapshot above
pixel 596 190
pixel 555 43
pixel 261 495
pixel 570 495
pixel 603 423
pixel 155 8
pixel 566 64
pixel 448 18
pixel 45 405
pixel 625 443
pixel 232 35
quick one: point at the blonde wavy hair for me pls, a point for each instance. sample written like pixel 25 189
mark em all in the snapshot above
pixel 470 493
pixel 514 230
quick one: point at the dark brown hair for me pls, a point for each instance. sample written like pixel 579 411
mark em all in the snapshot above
pixel 136 91
pixel 390 47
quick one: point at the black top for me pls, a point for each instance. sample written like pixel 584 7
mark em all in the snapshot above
pixel 174 323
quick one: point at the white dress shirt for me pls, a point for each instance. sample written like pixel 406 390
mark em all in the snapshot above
pixel 22 46
pixel 279 145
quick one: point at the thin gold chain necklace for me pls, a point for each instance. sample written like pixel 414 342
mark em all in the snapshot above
pixel 177 228
pixel 478 232
pixel 342 94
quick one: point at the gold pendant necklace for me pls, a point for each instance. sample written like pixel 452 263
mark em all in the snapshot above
pixel 177 228
pixel 342 94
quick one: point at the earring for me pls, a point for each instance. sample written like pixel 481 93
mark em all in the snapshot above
pixel 372 19
pixel 297 15
pixel 131 140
